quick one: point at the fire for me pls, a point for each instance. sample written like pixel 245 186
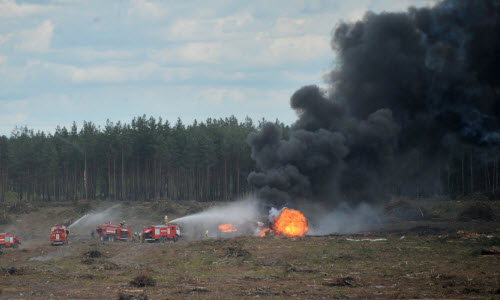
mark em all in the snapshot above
pixel 227 228
pixel 290 222
pixel 263 232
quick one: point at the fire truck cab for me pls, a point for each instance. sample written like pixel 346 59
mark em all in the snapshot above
pixel 114 232
pixel 161 233
pixel 59 235
pixel 8 240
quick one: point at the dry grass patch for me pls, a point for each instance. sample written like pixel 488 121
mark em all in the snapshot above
pixel 143 280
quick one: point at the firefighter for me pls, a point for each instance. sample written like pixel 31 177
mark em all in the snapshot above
pixel 134 237
pixel 166 220
pixel 206 234
pixel 141 237
pixel 122 223
pixel 92 234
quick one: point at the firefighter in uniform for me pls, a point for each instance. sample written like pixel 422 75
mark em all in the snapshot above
pixel 122 223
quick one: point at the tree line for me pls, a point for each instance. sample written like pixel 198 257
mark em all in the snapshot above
pixel 144 160
pixel 153 159
pixel 472 170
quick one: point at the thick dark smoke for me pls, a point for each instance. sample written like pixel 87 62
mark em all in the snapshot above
pixel 407 87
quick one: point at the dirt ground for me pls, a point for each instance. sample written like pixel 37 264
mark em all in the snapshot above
pixel 417 259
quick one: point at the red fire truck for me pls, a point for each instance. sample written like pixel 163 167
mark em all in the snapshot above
pixel 161 233
pixel 59 235
pixel 113 232
pixel 8 240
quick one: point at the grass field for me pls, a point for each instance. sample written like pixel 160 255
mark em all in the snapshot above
pixel 425 259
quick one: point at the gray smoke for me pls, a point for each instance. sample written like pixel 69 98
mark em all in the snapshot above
pixel 345 219
pixel 407 87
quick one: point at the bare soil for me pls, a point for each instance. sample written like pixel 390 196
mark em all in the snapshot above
pixel 418 259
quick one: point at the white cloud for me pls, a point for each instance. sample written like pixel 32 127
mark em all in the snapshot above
pixel 147 9
pixel 5 37
pixel 18 74
pixel 13 105
pixel 263 51
pixel 176 74
pixel 92 54
pixel 297 48
pixel 106 52
pixel 112 73
pixel 37 39
pixel 238 75
pixel 10 9
pixel 302 78
pixel 292 26
pixel 68 1
pixel 194 29
pixel 401 5
pixel 117 73
pixel 13 118
pixel 280 97
pixel 220 95
pixel 201 52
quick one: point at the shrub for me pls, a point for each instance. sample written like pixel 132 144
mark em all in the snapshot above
pixel 142 281
pixel 4 218
pixel 477 211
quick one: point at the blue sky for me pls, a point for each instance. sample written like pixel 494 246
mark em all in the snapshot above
pixel 63 61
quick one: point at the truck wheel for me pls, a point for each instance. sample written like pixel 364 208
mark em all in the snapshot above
pixel 15 245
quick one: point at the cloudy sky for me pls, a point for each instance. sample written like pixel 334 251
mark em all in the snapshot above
pixel 64 61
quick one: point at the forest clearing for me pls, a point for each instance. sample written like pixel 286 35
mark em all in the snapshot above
pixel 266 149
pixel 432 257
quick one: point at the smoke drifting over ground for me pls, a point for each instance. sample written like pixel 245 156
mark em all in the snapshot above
pixel 407 87
pixel 245 215
pixel 344 220
pixel 242 214
pixel 58 253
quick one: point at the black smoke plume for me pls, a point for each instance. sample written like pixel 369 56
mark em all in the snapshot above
pixel 407 86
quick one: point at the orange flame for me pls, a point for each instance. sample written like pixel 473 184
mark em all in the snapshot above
pixel 227 228
pixel 290 222
pixel 263 232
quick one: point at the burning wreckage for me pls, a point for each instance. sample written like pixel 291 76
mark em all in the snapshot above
pixel 284 222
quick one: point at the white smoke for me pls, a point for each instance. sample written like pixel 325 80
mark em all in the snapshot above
pixel 247 216
pixel 59 252
pixel 243 214
pixel 274 213
pixel 345 219
pixel 91 220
